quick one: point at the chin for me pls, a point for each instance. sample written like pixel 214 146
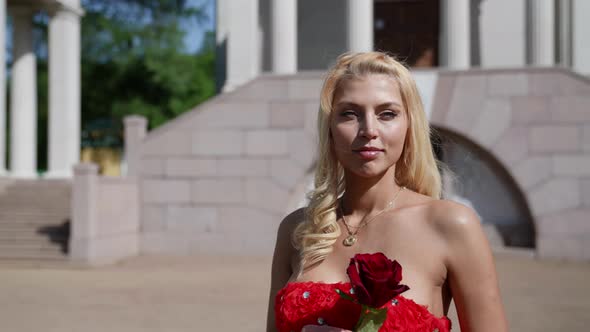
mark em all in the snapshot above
pixel 368 171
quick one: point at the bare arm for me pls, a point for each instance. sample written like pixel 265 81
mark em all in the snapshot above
pixel 281 263
pixel 472 272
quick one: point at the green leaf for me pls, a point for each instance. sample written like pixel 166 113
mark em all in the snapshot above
pixel 371 319
pixel 345 296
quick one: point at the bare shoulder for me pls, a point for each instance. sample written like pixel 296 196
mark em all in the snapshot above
pixel 285 250
pixel 452 218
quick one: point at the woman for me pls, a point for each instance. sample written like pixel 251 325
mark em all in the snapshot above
pixel 377 189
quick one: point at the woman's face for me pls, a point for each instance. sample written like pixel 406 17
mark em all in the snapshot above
pixel 368 124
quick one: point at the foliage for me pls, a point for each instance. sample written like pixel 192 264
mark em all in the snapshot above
pixel 133 62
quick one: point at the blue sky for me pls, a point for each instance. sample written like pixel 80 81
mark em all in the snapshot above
pixel 195 33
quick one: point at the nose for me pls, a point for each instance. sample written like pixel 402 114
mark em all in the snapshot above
pixel 368 127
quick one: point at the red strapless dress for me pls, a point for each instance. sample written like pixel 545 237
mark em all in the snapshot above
pixel 313 303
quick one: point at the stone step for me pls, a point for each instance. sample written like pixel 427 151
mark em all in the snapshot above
pixel 32 246
pixel 31 227
pixel 36 263
pixel 22 251
pixel 34 220
pixel 34 211
pixel 38 255
pixel 19 237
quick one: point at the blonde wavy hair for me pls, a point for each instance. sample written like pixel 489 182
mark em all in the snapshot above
pixel 417 168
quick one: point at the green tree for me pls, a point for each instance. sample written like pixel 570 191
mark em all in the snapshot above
pixel 133 62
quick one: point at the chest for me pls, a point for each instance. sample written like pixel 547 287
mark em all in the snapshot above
pixel 414 244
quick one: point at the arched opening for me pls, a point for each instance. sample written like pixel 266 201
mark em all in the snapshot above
pixel 478 179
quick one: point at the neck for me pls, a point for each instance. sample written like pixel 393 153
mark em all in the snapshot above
pixel 367 196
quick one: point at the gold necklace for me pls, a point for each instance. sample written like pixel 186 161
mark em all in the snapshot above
pixel 351 238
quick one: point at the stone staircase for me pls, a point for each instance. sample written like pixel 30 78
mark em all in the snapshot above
pixel 34 221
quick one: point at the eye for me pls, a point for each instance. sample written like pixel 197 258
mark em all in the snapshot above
pixel 348 114
pixel 388 115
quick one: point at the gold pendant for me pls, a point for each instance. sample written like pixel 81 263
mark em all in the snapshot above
pixel 349 240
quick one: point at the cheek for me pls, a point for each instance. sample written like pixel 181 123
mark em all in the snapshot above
pixel 396 137
pixel 341 136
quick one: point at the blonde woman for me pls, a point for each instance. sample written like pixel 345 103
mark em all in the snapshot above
pixel 378 190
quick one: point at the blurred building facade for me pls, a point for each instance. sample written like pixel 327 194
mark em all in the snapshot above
pixel 504 84
pixel 64 88
pixel 297 35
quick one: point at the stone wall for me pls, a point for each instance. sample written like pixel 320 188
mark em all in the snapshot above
pixel 221 177
pixel 105 217
pixel 537 123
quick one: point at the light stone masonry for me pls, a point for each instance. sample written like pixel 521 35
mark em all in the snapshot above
pixel 244 220
pixel 152 167
pixel 512 146
pixel 532 171
pixel 570 109
pixel 468 95
pixel 508 85
pixel 311 118
pixel 287 114
pixel 560 247
pixel 546 84
pixel 266 195
pixel 585 183
pixel 159 242
pixel 191 219
pixel 555 195
pixel 266 143
pixel 286 173
pixel 218 191
pixel 493 121
pixel 571 165
pixel 170 143
pixel 531 110
pixel 586 138
pixel 554 138
pixel 565 222
pixel 302 146
pixel 248 157
pixel 153 218
pixel 304 89
pixel 263 88
pixel 190 167
pixel 242 167
pixel 165 191
pixel 232 114
pixel 218 143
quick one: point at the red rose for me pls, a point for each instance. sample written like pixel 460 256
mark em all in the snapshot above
pixel 375 279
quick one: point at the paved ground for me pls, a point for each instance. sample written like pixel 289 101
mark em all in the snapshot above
pixel 151 294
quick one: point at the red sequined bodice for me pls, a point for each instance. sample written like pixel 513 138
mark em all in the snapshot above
pixel 312 303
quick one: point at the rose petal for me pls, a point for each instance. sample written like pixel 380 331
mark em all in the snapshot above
pixel 356 282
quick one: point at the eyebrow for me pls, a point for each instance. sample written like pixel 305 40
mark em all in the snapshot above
pixel 387 104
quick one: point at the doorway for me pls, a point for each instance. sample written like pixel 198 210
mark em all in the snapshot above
pixel 408 29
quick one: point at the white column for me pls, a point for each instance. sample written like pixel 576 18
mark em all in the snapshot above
pixel 2 87
pixel 543 35
pixel 23 97
pixel 565 33
pixel 64 93
pixel 456 36
pixel 243 54
pixel 284 36
pixel 360 25
pixel 580 43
